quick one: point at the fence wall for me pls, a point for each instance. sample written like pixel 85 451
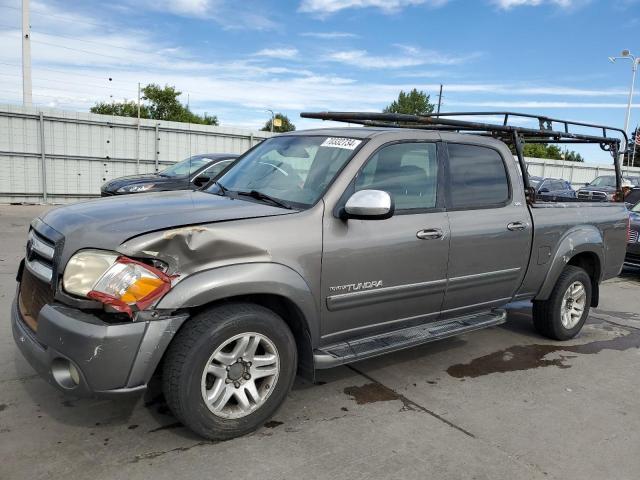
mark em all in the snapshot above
pixel 578 174
pixel 56 156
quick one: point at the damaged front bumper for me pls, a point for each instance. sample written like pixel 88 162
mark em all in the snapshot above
pixel 80 354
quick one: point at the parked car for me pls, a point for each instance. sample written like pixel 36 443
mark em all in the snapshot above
pixel 193 172
pixel 602 189
pixel 315 249
pixel 633 197
pixel 552 188
pixel 633 242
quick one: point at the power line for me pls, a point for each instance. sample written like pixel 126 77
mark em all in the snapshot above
pixel 76 49
pixel 74 73
pixel 68 82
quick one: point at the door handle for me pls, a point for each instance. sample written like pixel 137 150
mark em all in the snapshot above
pixel 429 234
pixel 515 226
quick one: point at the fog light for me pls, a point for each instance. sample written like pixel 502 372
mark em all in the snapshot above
pixel 65 373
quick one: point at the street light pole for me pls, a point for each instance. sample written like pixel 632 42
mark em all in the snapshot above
pixel 272 118
pixel 626 54
pixel 26 55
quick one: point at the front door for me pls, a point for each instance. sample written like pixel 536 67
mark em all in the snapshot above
pixel 490 231
pixel 382 274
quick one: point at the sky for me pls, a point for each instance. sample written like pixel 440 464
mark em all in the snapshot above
pixel 237 59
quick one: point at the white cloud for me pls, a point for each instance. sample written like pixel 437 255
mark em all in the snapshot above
pixel 411 57
pixel 329 35
pixel 508 4
pixel 283 53
pixel 327 7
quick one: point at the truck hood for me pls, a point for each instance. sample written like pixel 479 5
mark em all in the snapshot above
pixel 108 222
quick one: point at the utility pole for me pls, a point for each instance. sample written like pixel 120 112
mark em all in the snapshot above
pixel 272 118
pixel 439 100
pixel 635 61
pixel 138 135
pixel 26 55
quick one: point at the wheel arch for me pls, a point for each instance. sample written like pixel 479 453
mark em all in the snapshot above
pixel 273 286
pixel 581 247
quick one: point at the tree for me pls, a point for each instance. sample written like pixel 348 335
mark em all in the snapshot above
pixel 413 103
pixel 160 103
pixel 285 124
pixel 629 157
pixel 571 156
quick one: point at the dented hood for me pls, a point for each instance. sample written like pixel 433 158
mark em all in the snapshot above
pixel 108 222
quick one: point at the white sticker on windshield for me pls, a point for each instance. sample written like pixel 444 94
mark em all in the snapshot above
pixel 341 142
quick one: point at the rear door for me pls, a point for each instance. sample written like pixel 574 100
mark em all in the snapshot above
pixel 383 274
pixel 490 230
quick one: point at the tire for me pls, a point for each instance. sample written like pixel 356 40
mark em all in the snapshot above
pixel 548 314
pixel 214 339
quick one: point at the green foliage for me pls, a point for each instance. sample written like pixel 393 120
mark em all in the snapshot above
pixel 628 157
pixel 121 109
pixel 413 103
pixel 571 156
pixel 286 125
pixel 160 103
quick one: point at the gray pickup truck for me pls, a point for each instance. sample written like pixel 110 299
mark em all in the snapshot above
pixel 317 248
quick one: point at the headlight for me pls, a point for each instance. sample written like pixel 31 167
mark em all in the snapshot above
pixel 136 188
pixel 125 284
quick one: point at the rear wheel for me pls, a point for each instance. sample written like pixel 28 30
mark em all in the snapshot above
pixel 563 314
pixel 229 369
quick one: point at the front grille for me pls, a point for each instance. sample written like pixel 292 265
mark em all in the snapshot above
pixel 37 284
pixel 34 294
pixel 592 196
pixel 634 236
pixel 40 256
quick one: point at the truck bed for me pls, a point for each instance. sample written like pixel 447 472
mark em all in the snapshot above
pixel 564 229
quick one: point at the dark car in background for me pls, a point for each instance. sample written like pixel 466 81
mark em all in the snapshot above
pixel 633 242
pixel 191 173
pixel 603 188
pixel 552 188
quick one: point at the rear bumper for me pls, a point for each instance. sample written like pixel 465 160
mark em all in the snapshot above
pixel 110 359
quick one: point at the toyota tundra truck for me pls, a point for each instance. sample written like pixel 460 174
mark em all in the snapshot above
pixel 315 249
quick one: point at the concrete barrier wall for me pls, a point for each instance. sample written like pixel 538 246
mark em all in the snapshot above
pixel 54 156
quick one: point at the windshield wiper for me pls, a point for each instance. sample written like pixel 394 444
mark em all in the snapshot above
pixel 223 189
pixel 263 196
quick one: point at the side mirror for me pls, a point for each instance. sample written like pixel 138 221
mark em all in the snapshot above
pixel 369 205
pixel 201 180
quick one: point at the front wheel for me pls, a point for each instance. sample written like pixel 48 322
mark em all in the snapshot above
pixel 229 369
pixel 563 314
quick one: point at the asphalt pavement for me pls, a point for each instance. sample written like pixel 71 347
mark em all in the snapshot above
pixel 502 403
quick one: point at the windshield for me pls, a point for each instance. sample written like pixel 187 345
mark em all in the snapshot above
pixel 604 182
pixel 186 167
pixel 293 169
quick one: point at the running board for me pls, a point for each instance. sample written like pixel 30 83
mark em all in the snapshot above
pixel 346 352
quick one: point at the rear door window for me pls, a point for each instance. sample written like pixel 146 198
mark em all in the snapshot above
pixel 477 177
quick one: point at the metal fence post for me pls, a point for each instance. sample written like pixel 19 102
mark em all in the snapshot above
pixel 157 150
pixel 43 160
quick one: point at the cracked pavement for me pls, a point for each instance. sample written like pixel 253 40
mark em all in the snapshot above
pixel 499 403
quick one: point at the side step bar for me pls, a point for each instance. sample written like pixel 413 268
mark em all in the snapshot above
pixel 346 352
